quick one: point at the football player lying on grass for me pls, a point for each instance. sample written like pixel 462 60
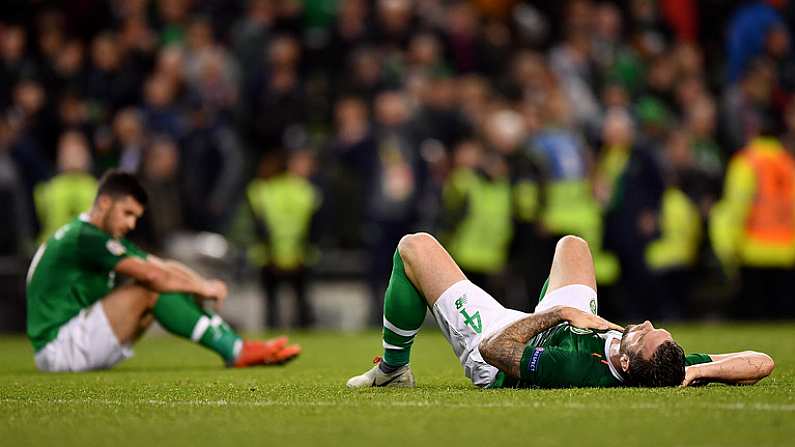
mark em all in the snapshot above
pixel 562 344
pixel 78 321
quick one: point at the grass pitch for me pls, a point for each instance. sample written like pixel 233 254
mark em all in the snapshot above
pixel 174 393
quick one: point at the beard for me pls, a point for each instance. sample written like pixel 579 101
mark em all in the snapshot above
pixel 622 349
pixel 108 224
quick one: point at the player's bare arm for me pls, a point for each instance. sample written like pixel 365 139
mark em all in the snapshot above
pixel 217 289
pixel 739 368
pixel 153 275
pixel 504 348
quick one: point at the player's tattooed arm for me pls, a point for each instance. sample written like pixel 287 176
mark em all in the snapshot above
pixel 741 368
pixel 504 348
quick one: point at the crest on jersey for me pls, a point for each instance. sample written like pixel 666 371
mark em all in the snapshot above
pixel 115 247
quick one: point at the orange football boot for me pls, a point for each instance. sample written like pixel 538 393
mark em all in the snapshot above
pixel 264 352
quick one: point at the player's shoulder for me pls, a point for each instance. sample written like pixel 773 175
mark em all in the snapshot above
pixel 68 231
pixel 82 228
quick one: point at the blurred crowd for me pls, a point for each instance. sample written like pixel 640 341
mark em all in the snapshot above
pixel 661 131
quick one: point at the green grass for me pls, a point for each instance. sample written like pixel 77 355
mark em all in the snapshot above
pixel 173 393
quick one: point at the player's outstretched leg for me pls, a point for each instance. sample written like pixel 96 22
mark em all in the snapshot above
pixel 179 314
pixel 404 312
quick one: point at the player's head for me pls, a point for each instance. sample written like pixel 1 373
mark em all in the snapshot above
pixel 650 356
pixel 119 203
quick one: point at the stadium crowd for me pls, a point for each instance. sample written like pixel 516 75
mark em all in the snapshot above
pixel 662 132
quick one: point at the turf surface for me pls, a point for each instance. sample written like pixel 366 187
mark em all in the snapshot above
pixel 175 393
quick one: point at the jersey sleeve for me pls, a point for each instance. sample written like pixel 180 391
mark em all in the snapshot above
pixel 99 250
pixel 134 250
pixel 695 359
pixel 552 367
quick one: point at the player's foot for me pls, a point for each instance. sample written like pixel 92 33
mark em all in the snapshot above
pixel 401 377
pixel 266 352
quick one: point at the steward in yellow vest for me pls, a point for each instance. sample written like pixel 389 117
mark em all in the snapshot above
pixel 62 198
pixel 284 206
pixel 673 255
pixel 753 227
pixel 479 242
pixel 478 208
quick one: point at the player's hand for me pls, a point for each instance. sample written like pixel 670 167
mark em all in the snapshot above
pixel 586 320
pixel 692 377
pixel 217 291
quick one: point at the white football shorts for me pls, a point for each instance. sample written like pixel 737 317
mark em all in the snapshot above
pixel 84 343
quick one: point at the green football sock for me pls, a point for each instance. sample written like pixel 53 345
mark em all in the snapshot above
pixel 404 312
pixel 179 314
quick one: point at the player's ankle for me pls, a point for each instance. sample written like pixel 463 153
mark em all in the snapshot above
pixel 387 368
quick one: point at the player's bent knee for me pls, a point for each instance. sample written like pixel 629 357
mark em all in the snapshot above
pixel 412 245
pixel 571 242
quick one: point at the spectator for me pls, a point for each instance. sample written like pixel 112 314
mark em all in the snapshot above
pixel 110 83
pixel 29 133
pixel 672 256
pixel 462 37
pixel 571 63
pixel 753 228
pixel 747 104
pixel 748 30
pixel 173 15
pixel 14 239
pixel 284 208
pixel 632 216
pixel 366 75
pixel 69 193
pixel 213 161
pixel 160 177
pixel 161 112
pixel 278 94
pixel 394 176
pixel 129 140
pixel 250 35
pixel 15 64
pixel 477 201
pixel 68 67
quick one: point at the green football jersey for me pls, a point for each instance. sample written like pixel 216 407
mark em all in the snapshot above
pixel 564 356
pixel 71 271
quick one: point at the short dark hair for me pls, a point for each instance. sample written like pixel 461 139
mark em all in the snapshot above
pixel 666 367
pixel 118 184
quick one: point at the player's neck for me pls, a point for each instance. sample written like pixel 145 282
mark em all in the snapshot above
pixel 95 218
pixel 614 356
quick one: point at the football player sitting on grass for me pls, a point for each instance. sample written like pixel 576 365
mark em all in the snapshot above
pixel 78 321
pixel 564 343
